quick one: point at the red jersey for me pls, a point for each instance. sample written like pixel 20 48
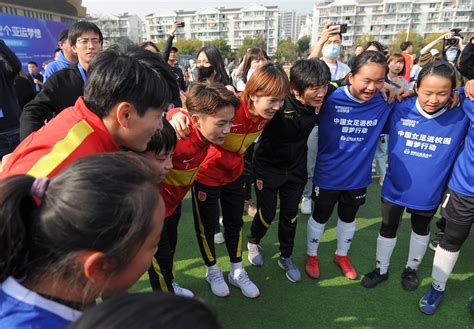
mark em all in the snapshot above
pixel 225 163
pixel 408 65
pixel 74 133
pixel 187 158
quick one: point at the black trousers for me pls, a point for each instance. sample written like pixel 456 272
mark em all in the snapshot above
pixel 248 174
pixel 267 187
pixel 206 213
pixel 161 272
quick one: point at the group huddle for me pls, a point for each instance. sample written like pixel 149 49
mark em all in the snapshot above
pixel 92 200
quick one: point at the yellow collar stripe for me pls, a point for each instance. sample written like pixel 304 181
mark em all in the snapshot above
pixel 61 150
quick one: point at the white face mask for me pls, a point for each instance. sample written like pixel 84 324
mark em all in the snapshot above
pixel 249 73
pixel 331 51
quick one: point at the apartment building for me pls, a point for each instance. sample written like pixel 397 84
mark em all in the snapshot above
pixel 206 24
pixel 386 18
pixel 287 28
pixel 116 27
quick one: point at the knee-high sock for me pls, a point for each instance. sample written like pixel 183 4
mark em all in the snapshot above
pixel 418 246
pixel 345 233
pixel 443 265
pixel 384 252
pixel 314 234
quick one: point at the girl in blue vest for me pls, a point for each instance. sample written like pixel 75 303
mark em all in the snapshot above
pixel 91 231
pixel 424 141
pixel 351 121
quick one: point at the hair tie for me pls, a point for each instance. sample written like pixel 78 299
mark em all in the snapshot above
pixel 39 187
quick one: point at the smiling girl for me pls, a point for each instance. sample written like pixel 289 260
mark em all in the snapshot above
pixel 350 123
pixel 424 141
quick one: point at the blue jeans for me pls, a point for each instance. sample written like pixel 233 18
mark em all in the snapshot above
pixel 311 160
pixel 8 142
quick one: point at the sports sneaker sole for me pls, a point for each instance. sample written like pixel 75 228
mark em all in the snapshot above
pixel 286 273
pixel 215 293
pixel 232 282
pixel 254 263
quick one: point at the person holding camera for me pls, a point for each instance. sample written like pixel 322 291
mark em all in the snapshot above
pixel 170 56
pixel 329 48
pixel 452 48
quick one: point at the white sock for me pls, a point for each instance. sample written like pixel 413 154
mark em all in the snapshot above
pixel 345 233
pixel 236 268
pixel 385 248
pixel 314 234
pixel 212 267
pixel 418 246
pixel 443 265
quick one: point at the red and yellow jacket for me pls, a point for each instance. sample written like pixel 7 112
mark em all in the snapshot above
pixel 74 133
pixel 187 158
pixel 225 163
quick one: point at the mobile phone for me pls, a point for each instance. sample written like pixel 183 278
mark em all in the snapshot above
pixel 342 28
pixel 180 24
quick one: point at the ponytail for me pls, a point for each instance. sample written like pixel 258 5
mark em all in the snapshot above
pixel 17 208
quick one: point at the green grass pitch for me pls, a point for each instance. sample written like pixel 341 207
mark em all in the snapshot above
pixel 331 301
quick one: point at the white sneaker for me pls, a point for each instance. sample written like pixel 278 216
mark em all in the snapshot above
pixel 242 281
pixel 219 238
pixel 216 280
pixel 306 206
pixel 183 292
pixel 254 256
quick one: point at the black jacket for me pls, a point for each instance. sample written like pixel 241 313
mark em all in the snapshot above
pixel 25 90
pixel 176 70
pixel 466 64
pixel 10 66
pixel 282 147
pixel 60 91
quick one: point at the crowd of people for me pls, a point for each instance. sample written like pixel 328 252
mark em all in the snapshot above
pixel 99 152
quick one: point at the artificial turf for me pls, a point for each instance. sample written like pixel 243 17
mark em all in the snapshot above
pixel 332 301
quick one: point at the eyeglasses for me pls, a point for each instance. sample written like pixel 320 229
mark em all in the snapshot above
pixel 84 42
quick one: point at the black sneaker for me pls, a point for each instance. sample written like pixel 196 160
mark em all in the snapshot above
pixel 373 278
pixel 410 279
pixel 435 241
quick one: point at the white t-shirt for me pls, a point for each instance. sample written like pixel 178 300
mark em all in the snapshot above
pixel 339 70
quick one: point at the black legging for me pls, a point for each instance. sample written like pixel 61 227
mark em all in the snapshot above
pixel 392 216
pixel 454 236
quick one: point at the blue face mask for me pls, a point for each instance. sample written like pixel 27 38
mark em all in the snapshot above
pixel 451 54
pixel 331 51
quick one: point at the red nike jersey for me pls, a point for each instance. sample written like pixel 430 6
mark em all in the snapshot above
pixel 74 133
pixel 187 158
pixel 225 163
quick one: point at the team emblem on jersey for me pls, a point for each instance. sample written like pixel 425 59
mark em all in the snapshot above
pixel 259 184
pixel 202 196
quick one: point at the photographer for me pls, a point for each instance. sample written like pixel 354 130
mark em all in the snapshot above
pixel 329 46
pixel 453 47
pixel 170 56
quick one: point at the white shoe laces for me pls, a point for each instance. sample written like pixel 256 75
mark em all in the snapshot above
pixel 216 276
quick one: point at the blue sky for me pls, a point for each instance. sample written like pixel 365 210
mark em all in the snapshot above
pixel 144 7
